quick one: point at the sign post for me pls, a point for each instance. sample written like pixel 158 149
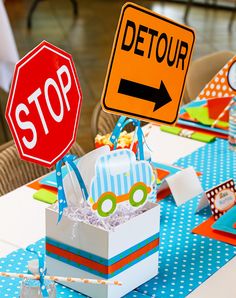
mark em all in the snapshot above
pixel 148 66
pixel 44 104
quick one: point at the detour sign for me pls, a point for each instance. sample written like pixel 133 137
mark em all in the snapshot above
pixel 148 66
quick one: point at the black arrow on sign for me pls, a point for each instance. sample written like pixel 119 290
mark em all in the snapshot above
pixel 159 96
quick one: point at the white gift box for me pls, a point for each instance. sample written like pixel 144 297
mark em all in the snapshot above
pixel 128 253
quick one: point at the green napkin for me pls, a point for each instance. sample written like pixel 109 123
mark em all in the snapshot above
pixel 201 115
pixel 45 196
pixel 202 137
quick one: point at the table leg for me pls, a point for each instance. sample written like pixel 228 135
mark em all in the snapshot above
pixel 187 9
pixel 2 121
pixel 215 3
pixel 232 18
pixel 75 7
pixel 31 11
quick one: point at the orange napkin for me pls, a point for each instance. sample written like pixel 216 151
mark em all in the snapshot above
pixel 205 229
pixel 216 106
pixel 36 185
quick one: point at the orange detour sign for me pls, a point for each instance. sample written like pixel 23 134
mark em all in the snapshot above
pixel 148 66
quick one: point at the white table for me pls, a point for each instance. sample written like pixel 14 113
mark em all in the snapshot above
pixel 22 219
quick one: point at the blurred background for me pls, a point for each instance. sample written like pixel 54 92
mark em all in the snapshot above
pixel 88 36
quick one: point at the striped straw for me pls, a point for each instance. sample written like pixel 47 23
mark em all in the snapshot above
pixel 223 112
pixel 62 279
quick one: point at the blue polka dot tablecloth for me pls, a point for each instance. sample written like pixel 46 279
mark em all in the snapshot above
pixel 186 259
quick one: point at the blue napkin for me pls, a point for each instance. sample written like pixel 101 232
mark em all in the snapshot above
pixel 226 222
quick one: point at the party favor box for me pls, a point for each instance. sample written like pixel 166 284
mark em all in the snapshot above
pixel 128 253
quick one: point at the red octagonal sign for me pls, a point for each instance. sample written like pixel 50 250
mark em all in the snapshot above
pixel 44 104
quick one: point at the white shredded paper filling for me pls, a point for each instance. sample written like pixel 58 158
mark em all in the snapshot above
pixel 123 214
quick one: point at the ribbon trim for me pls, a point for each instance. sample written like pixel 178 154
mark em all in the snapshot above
pixel 120 125
pixel 42 271
pixel 62 202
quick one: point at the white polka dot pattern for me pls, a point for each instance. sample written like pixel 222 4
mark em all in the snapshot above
pixel 186 259
pixel 211 194
pixel 219 85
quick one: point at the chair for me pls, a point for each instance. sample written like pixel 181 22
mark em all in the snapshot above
pixel 15 172
pixel 35 4
pixel 221 5
pixel 202 70
pixel 101 121
pixel 104 123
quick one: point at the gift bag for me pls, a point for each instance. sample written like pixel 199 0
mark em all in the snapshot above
pixel 105 178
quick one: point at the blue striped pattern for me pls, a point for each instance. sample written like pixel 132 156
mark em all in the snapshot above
pixel 98 273
pixel 103 261
pixel 106 178
pixel 100 260
pixel 232 125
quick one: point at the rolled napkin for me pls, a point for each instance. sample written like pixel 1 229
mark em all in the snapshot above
pixel 188 133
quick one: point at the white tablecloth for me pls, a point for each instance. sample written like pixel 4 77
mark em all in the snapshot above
pixel 22 219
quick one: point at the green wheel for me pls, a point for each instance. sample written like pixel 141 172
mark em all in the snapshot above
pixel 138 195
pixel 106 204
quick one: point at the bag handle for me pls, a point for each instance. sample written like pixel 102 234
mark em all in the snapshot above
pixel 120 125
pixel 62 202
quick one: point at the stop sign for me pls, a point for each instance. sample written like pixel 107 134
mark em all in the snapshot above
pixel 44 104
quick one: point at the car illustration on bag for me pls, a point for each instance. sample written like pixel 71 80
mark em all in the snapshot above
pixel 119 177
